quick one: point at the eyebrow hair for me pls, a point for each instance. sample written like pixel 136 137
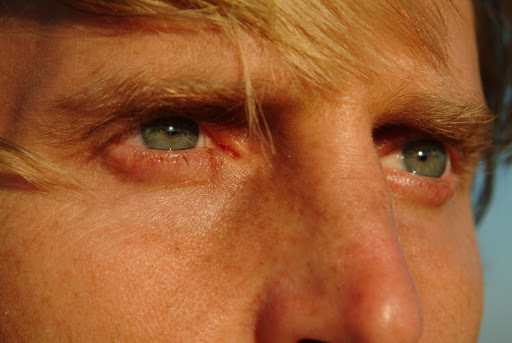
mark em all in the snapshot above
pixel 448 116
pixel 131 97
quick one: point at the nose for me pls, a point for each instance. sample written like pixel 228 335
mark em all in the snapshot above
pixel 344 277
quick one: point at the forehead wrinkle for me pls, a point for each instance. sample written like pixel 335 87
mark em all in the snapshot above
pixel 331 43
pixel 324 43
pixel 28 79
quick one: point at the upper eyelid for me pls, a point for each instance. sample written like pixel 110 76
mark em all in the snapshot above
pixel 467 130
pixel 203 112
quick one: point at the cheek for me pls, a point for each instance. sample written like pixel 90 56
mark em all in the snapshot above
pixel 134 261
pixel 442 254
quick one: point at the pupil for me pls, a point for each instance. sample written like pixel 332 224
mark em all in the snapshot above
pixel 422 157
pixel 171 130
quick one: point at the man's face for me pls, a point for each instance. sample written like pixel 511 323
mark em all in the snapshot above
pixel 321 234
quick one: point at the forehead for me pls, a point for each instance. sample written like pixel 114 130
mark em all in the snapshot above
pixel 325 45
pixel 348 38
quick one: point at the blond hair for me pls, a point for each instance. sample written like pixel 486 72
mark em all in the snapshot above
pixel 322 43
pixel 322 40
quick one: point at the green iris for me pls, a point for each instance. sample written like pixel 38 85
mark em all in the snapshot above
pixel 173 133
pixel 425 157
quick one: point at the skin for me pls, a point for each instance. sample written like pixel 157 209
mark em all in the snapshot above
pixel 320 241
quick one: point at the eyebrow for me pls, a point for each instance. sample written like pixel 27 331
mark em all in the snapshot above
pixel 448 116
pixel 109 99
pixel 129 101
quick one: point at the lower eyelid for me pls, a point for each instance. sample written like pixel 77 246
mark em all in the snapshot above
pixel 421 189
pixel 197 165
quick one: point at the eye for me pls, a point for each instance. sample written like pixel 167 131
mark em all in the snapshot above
pixel 173 133
pixel 174 149
pixel 422 157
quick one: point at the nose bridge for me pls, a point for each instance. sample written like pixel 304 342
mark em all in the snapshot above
pixel 358 287
pixel 334 173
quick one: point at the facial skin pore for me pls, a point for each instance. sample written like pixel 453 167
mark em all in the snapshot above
pixel 231 241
